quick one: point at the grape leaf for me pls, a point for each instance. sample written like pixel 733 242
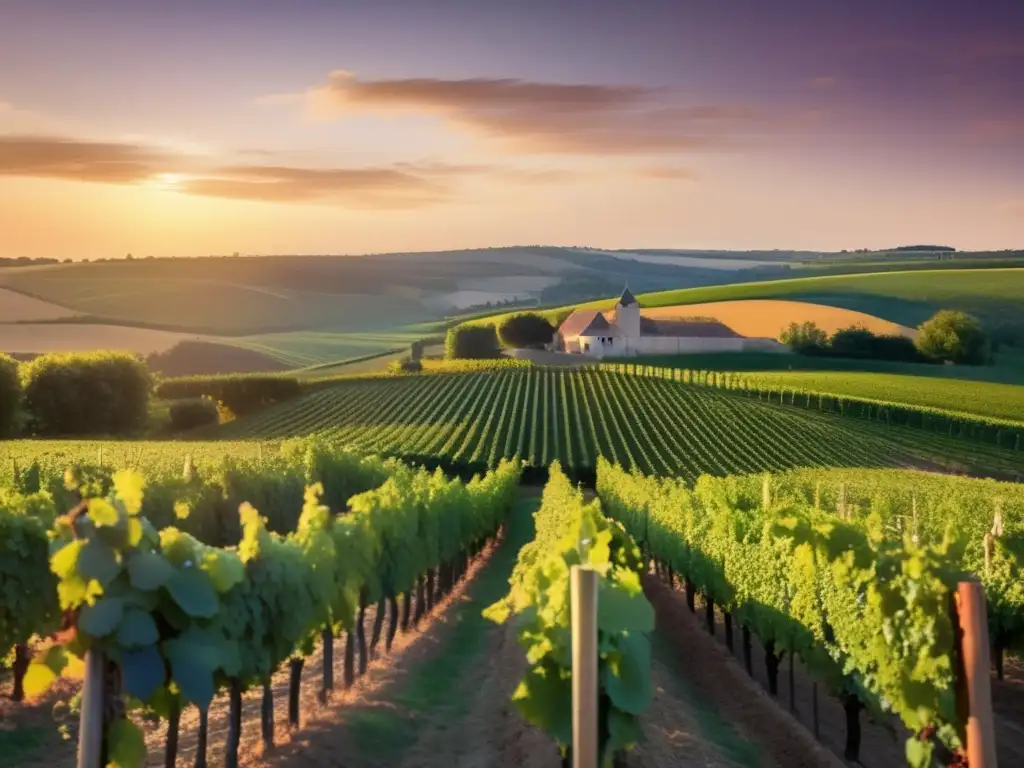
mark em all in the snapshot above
pixel 544 698
pixel 630 689
pixel 142 671
pixel 619 611
pixel 137 628
pixel 192 590
pixel 190 671
pixel 101 618
pixel 148 571
pixel 127 744
pixel 103 513
pixel 98 560
pixel 129 487
pixel 64 561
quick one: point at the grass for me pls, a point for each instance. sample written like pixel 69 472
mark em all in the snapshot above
pixel 904 297
pixel 987 390
pixel 429 687
pixel 999 401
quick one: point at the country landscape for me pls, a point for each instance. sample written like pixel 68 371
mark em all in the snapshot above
pixel 307 457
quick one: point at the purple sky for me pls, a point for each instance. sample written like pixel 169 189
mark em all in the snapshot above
pixel 736 123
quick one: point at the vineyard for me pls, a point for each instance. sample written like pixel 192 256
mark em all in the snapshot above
pixel 660 426
pixel 180 618
pixel 858 584
pixel 205 574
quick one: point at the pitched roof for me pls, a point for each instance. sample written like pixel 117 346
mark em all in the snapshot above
pixel 599 326
pixel 583 321
pixel 627 297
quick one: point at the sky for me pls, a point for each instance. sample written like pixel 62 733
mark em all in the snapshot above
pixel 201 127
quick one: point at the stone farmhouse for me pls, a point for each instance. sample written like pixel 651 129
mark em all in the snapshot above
pixel 625 333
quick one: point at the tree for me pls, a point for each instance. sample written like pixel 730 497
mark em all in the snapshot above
pixel 953 336
pixel 416 350
pixel 472 341
pixel 10 395
pixel 855 341
pixel 100 393
pixel 804 337
pixel 525 330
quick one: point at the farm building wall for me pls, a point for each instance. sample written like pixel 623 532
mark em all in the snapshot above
pixel 620 346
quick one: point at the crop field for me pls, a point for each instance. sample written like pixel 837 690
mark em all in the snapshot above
pixel 983 398
pixel 767 318
pixel 1008 367
pixel 1001 401
pixel 576 415
pixel 305 349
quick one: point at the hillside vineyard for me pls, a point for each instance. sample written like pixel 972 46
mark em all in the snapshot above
pixel 658 426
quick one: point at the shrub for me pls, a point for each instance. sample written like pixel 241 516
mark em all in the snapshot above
pixel 526 330
pixel 472 341
pixel 10 395
pixel 955 337
pixel 854 341
pixel 898 348
pixel 804 337
pixel 411 365
pixel 192 413
pixel 238 395
pixel 101 393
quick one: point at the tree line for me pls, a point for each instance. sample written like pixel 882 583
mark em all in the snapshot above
pixel 948 336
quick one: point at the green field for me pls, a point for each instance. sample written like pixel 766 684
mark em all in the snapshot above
pixel 575 415
pixel 906 383
pixel 907 297
pixel 305 349
pixel 1008 367
pixel 999 401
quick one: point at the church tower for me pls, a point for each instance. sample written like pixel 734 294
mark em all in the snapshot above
pixel 627 315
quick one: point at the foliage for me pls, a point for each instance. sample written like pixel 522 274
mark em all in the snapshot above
pixel 192 413
pixel 635 415
pixel 416 350
pixel 784 389
pixel 804 337
pixel 869 613
pixel 473 342
pixel 10 395
pixel 525 330
pixel 986 515
pixel 569 533
pixel 100 393
pixel 180 618
pixel 955 337
pixel 28 593
pixel 238 394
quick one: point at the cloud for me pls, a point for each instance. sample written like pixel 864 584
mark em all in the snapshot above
pixel 396 185
pixel 668 174
pixel 70 159
pixel 825 82
pixel 375 187
pixel 527 117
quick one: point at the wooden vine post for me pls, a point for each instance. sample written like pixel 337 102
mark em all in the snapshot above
pixel 583 607
pixel 971 613
pixel 91 725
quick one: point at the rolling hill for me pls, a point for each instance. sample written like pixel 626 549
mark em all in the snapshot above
pixel 906 297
